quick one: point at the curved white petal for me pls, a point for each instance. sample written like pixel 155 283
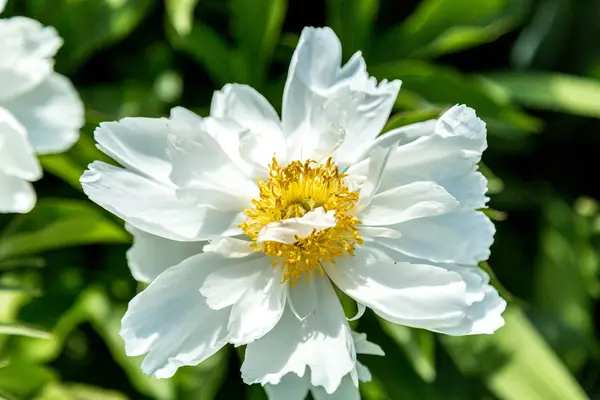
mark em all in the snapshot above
pixel 447 155
pixel 27 49
pixel 154 207
pixel 17 157
pixel 363 346
pixel 302 298
pixel 204 174
pixel 260 308
pixel 374 232
pixel 459 237
pixel 316 79
pixel 417 295
pixel 229 247
pixel 171 322
pixel 17 195
pixel 255 114
pixel 400 136
pixel 291 387
pixel 378 159
pixel 52 113
pixel 409 202
pixel 346 391
pixel 484 316
pixel 138 144
pixel 2 5
pixel 226 286
pixel 186 117
pixel 226 132
pixel 289 230
pixel 322 342
pixel 294 387
pixel 151 255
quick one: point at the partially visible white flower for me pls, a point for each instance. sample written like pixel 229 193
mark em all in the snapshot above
pixel 294 387
pixel 244 223
pixel 40 111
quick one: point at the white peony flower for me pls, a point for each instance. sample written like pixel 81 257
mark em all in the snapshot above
pixel 291 207
pixel 40 111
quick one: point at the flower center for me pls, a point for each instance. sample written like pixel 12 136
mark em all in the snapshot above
pixel 291 192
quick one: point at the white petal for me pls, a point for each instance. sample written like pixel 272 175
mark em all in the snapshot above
pixel 346 391
pixel 230 247
pixel 17 157
pixel 27 49
pixel 139 144
pixel 171 322
pixel 417 295
pixel 363 346
pixel 447 155
pixel 288 230
pixel 2 5
pixel 484 316
pixel 360 311
pixel 151 255
pixel 374 232
pixel 153 207
pixel 16 196
pixel 260 307
pixel 322 342
pixel 227 285
pixel 205 174
pixel 252 112
pixel 186 117
pixel 408 202
pixel 302 298
pixel 460 237
pixel 316 77
pixel 291 387
pixel 52 113
pixel 364 375
pixel 400 136
pixel 226 132
pixel 378 159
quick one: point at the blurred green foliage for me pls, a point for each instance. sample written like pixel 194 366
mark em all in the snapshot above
pixel 530 68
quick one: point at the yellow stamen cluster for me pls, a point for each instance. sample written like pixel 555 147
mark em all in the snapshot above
pixel 292 191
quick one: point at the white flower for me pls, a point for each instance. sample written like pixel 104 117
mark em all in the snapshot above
pixel 392 221
pixel 40 111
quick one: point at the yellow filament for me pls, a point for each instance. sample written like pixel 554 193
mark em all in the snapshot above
pixel 292 191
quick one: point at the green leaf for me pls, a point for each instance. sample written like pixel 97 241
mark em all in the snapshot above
pixel 566 273
pixel 59 223
pixel 22 263
pixel 515 362
pixel 443 26
pixel 18 329
pixel 445 87
pixel 418 345
pixel 181 15
pixel 206 46
pixel 256 25
pixel 205 380
pixel 23 379
pixel 89 25
pixel 353 21
pixel 556 92
pixel 73 391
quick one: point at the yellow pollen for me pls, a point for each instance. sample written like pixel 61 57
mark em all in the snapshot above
pixel 291 192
